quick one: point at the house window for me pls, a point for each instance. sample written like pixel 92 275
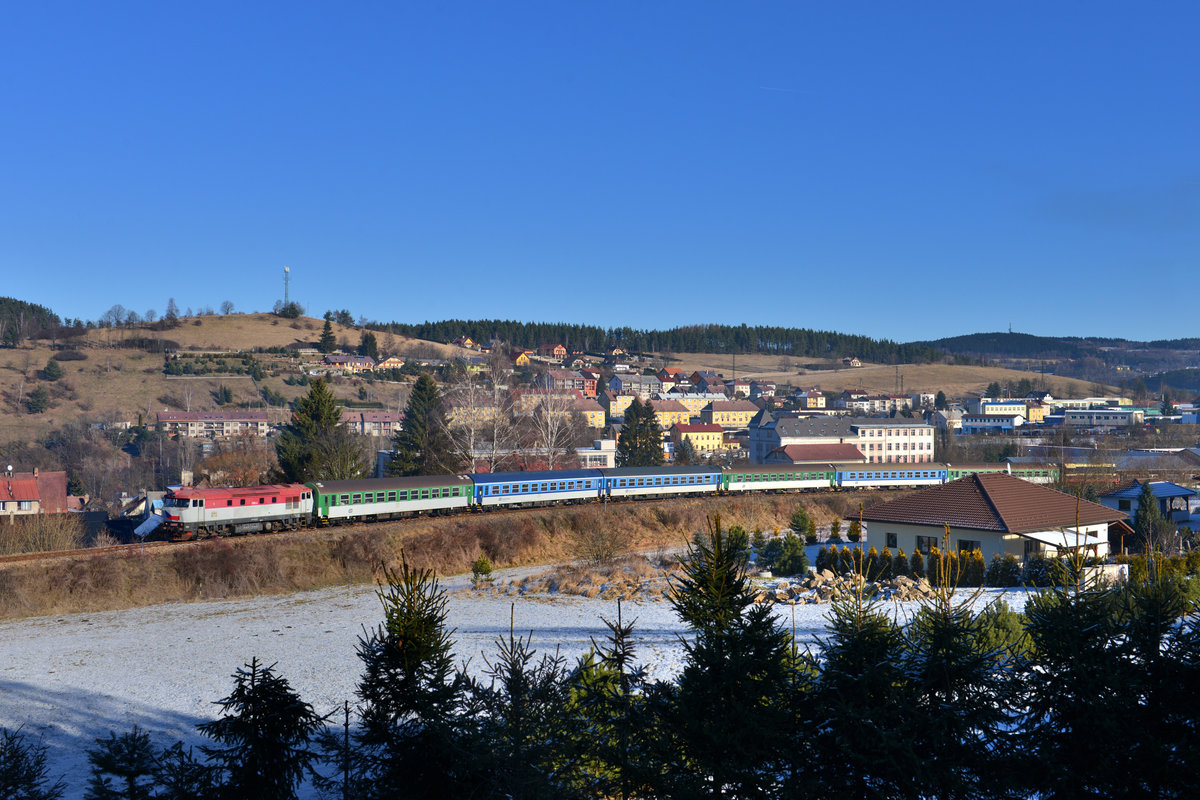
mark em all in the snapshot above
pixel 926 543
pixel 891 541
pixel 969 545
pixel 1123 505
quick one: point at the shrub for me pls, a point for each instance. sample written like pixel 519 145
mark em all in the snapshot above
pixel 481 570
pixel 835 530
pixel 38 400
pixel 916 564
pixel 854 534
pixel 1004 572
pixel 53 370
pixel 900 565
pixel 793 560
pixel 799 521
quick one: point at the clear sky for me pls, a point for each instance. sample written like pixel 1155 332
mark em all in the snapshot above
pixel 900 170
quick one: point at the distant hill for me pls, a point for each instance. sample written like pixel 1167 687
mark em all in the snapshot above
pixel 19 320
pixel 765 339
pixel 1012 345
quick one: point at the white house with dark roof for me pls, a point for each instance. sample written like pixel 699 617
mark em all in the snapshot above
pixel 995 513
pixel 897 440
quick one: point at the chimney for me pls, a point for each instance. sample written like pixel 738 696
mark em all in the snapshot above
pixel 35 473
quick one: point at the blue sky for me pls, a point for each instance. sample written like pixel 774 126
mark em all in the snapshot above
pixel 906 171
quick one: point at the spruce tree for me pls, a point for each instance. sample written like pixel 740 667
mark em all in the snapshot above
pixel 958 706
pixel 640 442
pixel 308 443
pixel 24 774
pixel 265 730
pixel 411 695
pixel 519 744
pixel 735 669
pixel 792 560
pixel 900 565
pixel 328 342
pixel 423 446
pixel 122 767
pixel 178 775
pixel 854 533
pixel 811 535
pixel 859 696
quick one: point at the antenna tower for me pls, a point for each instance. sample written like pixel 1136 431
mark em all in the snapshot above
pixel 287 275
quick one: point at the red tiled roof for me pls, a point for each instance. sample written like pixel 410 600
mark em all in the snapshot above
pixel 667 405
pixel 51 486
pixel 823 453
pixel 993 502
pixel 16 489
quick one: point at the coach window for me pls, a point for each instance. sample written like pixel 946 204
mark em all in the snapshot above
pixel 243 501
pixel 228 502
pixel 391 497
pixel 424 494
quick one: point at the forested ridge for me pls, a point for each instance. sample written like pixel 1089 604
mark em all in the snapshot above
pixel 712 338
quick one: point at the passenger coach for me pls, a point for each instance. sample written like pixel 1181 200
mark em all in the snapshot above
pixel 660 481
pixel 386 498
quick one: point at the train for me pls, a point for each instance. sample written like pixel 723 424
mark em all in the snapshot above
pixel 190 513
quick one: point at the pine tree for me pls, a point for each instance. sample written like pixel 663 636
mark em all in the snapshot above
pixel 178 775
pixel 685 454
pixel 53 370
pixel 423 446
pixel 957 710
pixel 23 771
pixel 520 741
pixel 640 442
pixel 368 346
pixel 411 695
pixel 835 530
pixel 266 731
pixel 854 533
pixel 792 560
pixel 609 697
pixel 328 342
pixel 735 669
pixel 122 767
pixel 860 696
pixel 799 521
pixel 310 443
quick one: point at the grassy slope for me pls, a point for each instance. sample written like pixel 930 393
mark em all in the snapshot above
pixel 122 383
pixel 875 378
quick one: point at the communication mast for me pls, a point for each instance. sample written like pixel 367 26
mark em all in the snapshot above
pixel 287 274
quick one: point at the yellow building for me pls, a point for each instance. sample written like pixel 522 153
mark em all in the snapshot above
pixel 1035 411
pixel 520 360
pixel 729 413
pixel 670 412
pixel 591 412
pixel 616 404
pixel 391 362
pixel 704 438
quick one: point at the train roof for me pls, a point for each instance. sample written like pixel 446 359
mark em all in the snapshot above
pixel 535 475
pixel 754 469
pixel 383 484
pixel 621 472
pixel 235 491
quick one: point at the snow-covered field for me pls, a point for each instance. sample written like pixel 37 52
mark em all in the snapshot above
pixel 71 679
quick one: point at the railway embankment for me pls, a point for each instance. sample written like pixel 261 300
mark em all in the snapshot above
pixel 249 566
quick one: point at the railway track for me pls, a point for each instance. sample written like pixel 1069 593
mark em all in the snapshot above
pixel 50 555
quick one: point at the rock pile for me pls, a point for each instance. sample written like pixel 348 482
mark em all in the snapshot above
pixel 825 586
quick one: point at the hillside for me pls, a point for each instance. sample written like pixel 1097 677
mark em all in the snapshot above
pixel 830 376
pixel 117 381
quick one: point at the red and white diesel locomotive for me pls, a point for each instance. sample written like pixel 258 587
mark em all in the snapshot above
pixel 238 510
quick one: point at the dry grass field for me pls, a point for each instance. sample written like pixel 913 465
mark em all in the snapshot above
pixel 118 382
pixel 952 379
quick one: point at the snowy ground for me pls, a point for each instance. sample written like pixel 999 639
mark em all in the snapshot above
pixel 71 679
